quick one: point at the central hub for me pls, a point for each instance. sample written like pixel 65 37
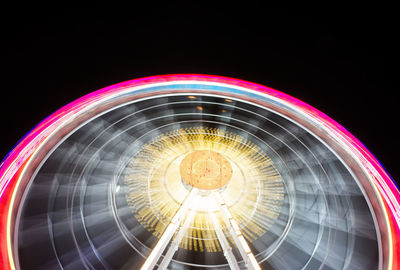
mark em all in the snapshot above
pixel 205 169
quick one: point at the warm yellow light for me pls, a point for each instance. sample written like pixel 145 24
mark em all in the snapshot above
pixel 205 169
pixel 158 182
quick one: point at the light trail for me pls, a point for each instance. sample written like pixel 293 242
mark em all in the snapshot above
pixel 34 145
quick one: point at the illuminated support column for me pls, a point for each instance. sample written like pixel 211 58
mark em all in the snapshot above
pixel 224 244
pixel 244 249
pixel 165 238
pixel 175 243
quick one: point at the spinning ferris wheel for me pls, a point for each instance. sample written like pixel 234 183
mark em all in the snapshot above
pixel 195 172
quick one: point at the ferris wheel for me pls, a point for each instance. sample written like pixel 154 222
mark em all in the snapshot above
pixel 195 172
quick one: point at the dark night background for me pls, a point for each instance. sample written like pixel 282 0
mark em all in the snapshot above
pixel 342 60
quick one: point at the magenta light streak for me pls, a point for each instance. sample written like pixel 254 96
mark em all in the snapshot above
pixel 16 158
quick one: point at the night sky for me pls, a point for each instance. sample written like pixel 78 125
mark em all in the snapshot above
pixel 342 60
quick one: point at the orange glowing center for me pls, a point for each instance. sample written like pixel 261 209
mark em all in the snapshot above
pixel 205 169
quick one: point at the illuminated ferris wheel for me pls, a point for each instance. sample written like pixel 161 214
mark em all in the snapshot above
pixel 195 172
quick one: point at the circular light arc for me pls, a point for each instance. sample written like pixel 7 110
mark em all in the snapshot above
pixel 16 161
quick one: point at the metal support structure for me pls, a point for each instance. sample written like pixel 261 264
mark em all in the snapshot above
pixel 176 241
pixel 169 232
pixel 175 228
pixel 244 249
pixel 230 257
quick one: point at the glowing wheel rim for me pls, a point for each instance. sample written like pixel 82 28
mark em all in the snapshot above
pixel 19 167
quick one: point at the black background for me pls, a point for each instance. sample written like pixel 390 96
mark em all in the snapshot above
pixel 342 60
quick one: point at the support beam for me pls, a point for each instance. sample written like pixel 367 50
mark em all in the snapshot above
pixel 224 244
pixel 176 241
pixel 169 232
pixel 244 249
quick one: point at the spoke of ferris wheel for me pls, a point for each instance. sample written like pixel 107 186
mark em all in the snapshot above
pixel 244 249
pixel 176 241
pixel 169 232
pixel 224 243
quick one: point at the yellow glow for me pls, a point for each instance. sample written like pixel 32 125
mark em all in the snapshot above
pixel 156 188
pixel 204 169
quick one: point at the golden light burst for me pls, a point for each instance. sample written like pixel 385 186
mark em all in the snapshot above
pixel 205 169
pixel 254 192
